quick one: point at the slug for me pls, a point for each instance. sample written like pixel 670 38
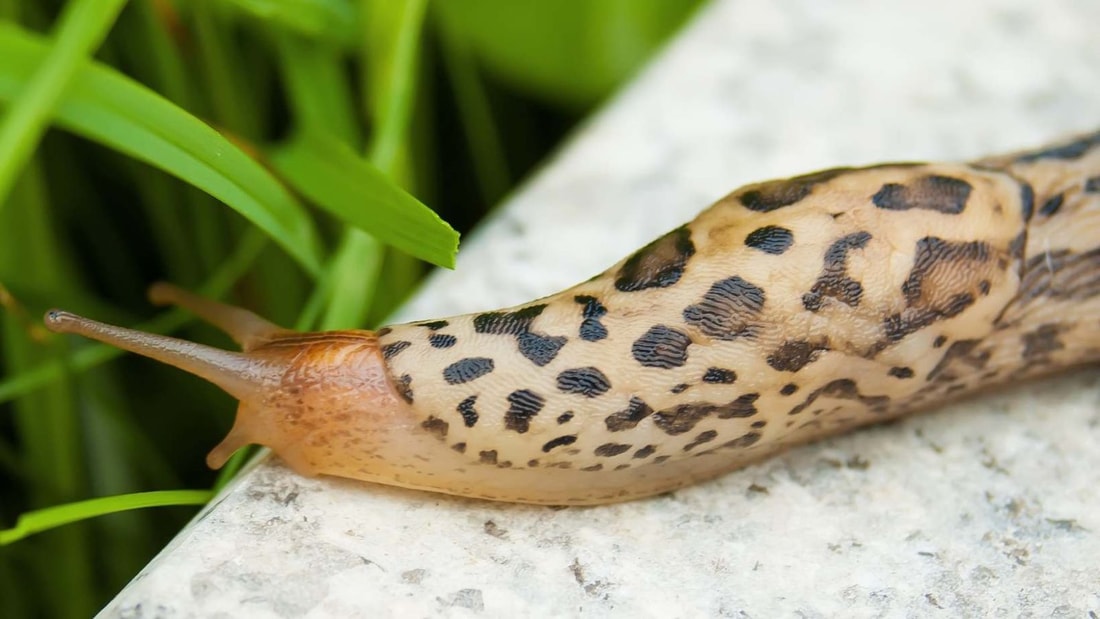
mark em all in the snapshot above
pixel 787 311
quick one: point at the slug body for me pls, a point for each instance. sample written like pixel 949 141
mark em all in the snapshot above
pixel 787 311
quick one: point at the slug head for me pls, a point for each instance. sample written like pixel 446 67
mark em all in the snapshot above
pixel 308 396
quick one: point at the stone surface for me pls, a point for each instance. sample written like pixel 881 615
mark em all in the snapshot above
pixel 986 508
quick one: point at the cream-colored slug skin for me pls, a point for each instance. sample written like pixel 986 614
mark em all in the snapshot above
pixel 787 311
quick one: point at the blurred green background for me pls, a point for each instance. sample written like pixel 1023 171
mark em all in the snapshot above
pixel 341 126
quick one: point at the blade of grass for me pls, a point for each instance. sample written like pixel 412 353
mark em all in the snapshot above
pixel 393 36
pixel 47 423
pixel 333 21
pixel 247 250
pixel 81 27
pixel 10 462
pixel 322 106
pixel 393 46
pixel 356 267
pixel 392 31
pixel 232 96
pixel 317 88
pixel 487 149
pixel 109 108
pixel 52 517
pixel 332 176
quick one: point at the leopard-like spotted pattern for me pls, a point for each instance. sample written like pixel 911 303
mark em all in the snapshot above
pixel 787 311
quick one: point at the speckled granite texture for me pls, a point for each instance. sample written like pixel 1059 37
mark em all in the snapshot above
pixel 988 508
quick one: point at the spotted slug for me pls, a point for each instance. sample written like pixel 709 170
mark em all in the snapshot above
pixel 787 311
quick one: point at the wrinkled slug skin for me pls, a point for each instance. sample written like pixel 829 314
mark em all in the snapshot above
pixel 787 311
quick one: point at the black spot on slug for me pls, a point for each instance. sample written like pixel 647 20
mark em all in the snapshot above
pixel 657 265
pixel 404 388
pixel 591 329
pixel 703 437
pixel 743 406
pixel 593 468
pixel 745 440
pixel 719 376
pixel 384 331
pixel 565 417
pixel 441 340
pixel 1051 206
pixel 1042 341
pixel 507 323
pixel 843 389
pixel 588 381
pixel 770 239
pixel 957 351
pixel 434 325
pixel 939 341
pixel 661 347
pixel 465 370
pixel 727 309
pixel 772 195
pixel 1061 274
pixel 468 412
pixel 944 194
pixel 1071 150
pixel 608 450
pixel 788 389
pixel 1027 200
pixel 931 254
pixel 391 349
pixel 901 372
pixel 680 388
pixel 627 419
pixel 540 349
pixel 1092 185
pixel 459 447
pixel 560 441
pixel 488 457
pixel 834 280
pixel 523 405
pixel 793 355
pixel 645 452
pixel 436 426
pixel 683 418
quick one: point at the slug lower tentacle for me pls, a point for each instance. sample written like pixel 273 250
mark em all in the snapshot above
pixel 787 311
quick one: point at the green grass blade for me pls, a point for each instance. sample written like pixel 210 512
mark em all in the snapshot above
pixel 574 52
pixel 328 20
pixel 336 179
pixel 393 35
pixel 105 106
pixel 354 278
pixel 59 515
pixel 487 149
pixel 317 88
pixel 81 28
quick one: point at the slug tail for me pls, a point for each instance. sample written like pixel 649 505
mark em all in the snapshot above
pixel 238 374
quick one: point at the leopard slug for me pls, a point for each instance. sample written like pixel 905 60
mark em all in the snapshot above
pixel 787 311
